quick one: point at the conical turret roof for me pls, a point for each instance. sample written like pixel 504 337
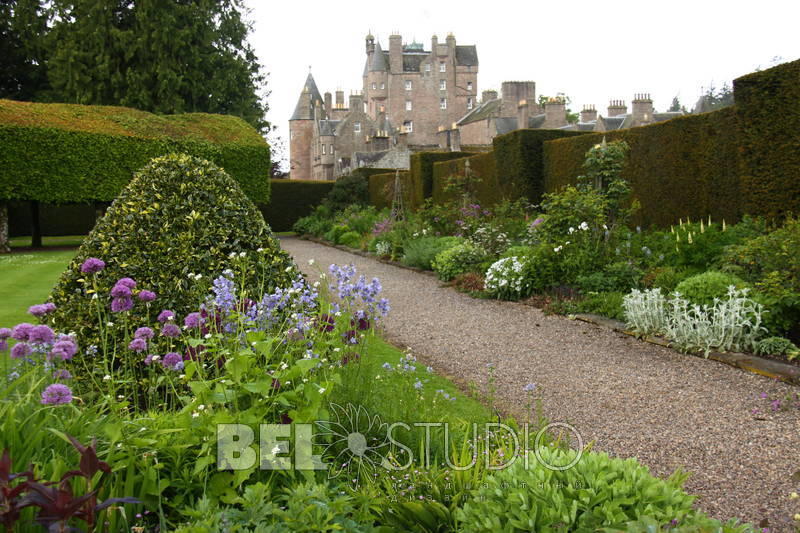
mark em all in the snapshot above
pixel 378 60
pixel 305 107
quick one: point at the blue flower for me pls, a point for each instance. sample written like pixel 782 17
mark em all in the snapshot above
pixel 530 387
pixel 418 384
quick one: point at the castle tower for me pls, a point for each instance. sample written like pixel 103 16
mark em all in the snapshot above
pixel 376 86
pixel 301 130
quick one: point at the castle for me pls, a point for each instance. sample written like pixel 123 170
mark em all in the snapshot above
pixel 408 94
pixel 414 99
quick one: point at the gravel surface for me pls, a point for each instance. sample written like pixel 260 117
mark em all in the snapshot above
pixel 631 398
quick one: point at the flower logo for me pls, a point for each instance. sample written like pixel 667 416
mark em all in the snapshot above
pixel 354 439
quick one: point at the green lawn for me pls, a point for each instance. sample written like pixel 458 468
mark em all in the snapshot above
pixel 26 279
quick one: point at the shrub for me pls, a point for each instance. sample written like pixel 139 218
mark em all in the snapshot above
pixel 421 252
pixel 180 215
pixel 291 200
pixel 350 239
pixel 598 492
pixel 543 268
pixel 457 260
pixel 506 279
pixel 471 282
pixel 775 346
pixel 346 191
pixel 704 288
pixel 665 278
pixel 335 233
pixel 616 277
pixel 608 304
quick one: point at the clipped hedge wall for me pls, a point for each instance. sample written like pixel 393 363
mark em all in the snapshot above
pixel 520 161
pixel 683 167
pixel 769 119
pixel 381 189
pixel 63 153
pixel 482 165
pixel 421 167
pixel 292 200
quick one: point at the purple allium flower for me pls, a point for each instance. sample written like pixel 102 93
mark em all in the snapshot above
pixel 148 359
pixel 5 333
pixel 144 333
pixel 170 330
pixel 147 296
pixel 530 387
pixel 22 332
pixel 193 320
pixel 120 291
pixel 3 345
pixel 42 335
pixel 166 315
pixel 56 394
pixel 119 305
pixel 138 345
pixel 21 350
pixel 127 282
pixel 62 373
pixel 92 265
pixel 40 310
pixel 173 361
pixel 65 348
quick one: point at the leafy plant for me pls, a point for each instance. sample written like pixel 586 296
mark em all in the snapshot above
pixel 350 239
pixel 421 252
pixel 457 260
pixel 506 279
pixel 776 346
pixel 704 288
pixel 608 304
pixel 615 277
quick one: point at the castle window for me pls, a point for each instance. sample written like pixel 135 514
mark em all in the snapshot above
pixel 374 85
pixel 383 86
pixel 331 149
pixel 442 67
pixel 356 127
pixel 428 68
pixel 408 85
pixel 408 126
pixel 469 86
pixel 442 103
pixel 469 102
pixel 408 105
pixel 442 85
pixel 323 149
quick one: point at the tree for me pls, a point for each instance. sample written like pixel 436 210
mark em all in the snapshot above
pixel 164 57
pixel 713 98
pixel 23 61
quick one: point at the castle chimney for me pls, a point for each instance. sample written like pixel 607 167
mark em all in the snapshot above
pixel 328 105
pixel 555 111
pixel 513 92
pixel 434 44
pixel 396 53
pixel 522 115
pixel 642 109
pixel 339 99
pixel 356 103
pixel 588 113
pixel 488 95
pixel 317 110
pixel 451 41
pixel 617 107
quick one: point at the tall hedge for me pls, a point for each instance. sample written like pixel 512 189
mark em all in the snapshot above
pixel 683 167
pixel 421 167
pixel 381 189
pixel 64 153
pixel 768 108
pixel 520 161
pixel 488 191
pixel 291 200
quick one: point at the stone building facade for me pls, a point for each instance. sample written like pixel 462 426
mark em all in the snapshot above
pixel 408 95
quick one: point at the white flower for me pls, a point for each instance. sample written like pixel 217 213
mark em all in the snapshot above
pixel 232 255
pixel 106 378
pixel 201 407
pixel 198 277
pixel 191 275
pixel 558 249
pixel 284 366
pixel 195 414
pixel 316 285
pixel 260 250
pixel 584 226
pixel 287 269
pixel 571 230
pixel 243 254
pixel 94 296
pixel 321 390
pixel 110 324
pixel 208 335
pixel 120 397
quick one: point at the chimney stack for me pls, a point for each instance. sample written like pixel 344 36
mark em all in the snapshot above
pixel 588 114
pixel 642 109
pixel 488 95
pixel 328 105
pixel 513 92
pixel 617 107
pixel 340 99
pixel 396 53
pixel 523 112
pixel 555 111
pixel 356 103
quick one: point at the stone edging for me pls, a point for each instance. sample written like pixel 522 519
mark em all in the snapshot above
pixel 750 363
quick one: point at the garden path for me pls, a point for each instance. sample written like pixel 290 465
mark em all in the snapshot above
pixel 632 398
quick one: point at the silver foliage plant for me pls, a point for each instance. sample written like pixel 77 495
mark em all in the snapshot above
pixel 732 323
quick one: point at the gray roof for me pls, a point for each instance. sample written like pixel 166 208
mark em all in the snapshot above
pixel 300 113
pixel 505 124
pixel 482 111
pixel 586 126
pixel 328 127
pixel 379 60
pixel 613 123
pixel 366 158
pixel 467 56
pixel 667 115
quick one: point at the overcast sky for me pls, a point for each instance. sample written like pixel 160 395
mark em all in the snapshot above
pixel 592 51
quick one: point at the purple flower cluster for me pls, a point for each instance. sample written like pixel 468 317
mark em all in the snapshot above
pixel 92 266
pixel 382 226
pixel 147 296
pixel 224 290
pixel 41 310
pixel 122 294
pixel 298 302
pixel 173 361
pixel 166 315
pixel 57 394
pixel 360 296
pixel 193 320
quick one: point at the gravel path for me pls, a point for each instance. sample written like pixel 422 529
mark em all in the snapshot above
pixel 632 398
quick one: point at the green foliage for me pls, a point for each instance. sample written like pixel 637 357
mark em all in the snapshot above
pixel 665 278
pixel 519 157
pixel 381 189
pixel 72 154
pixel 608 304
pixel 112 52
pixel 421 169
pixel 703 288
pixel 615 277
pixel 358 218
pixel 770 148
pixel 451 184
pixel 179 215
pixel 457 260
pixel 421 252
pixel 335 233
pixel 23 49
pixel 775 346
pixel 291 200
pixel 351 239
pixel 348 190
pixel 305 507
pixel 598 492
pixel 570 208
pixel 318 223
